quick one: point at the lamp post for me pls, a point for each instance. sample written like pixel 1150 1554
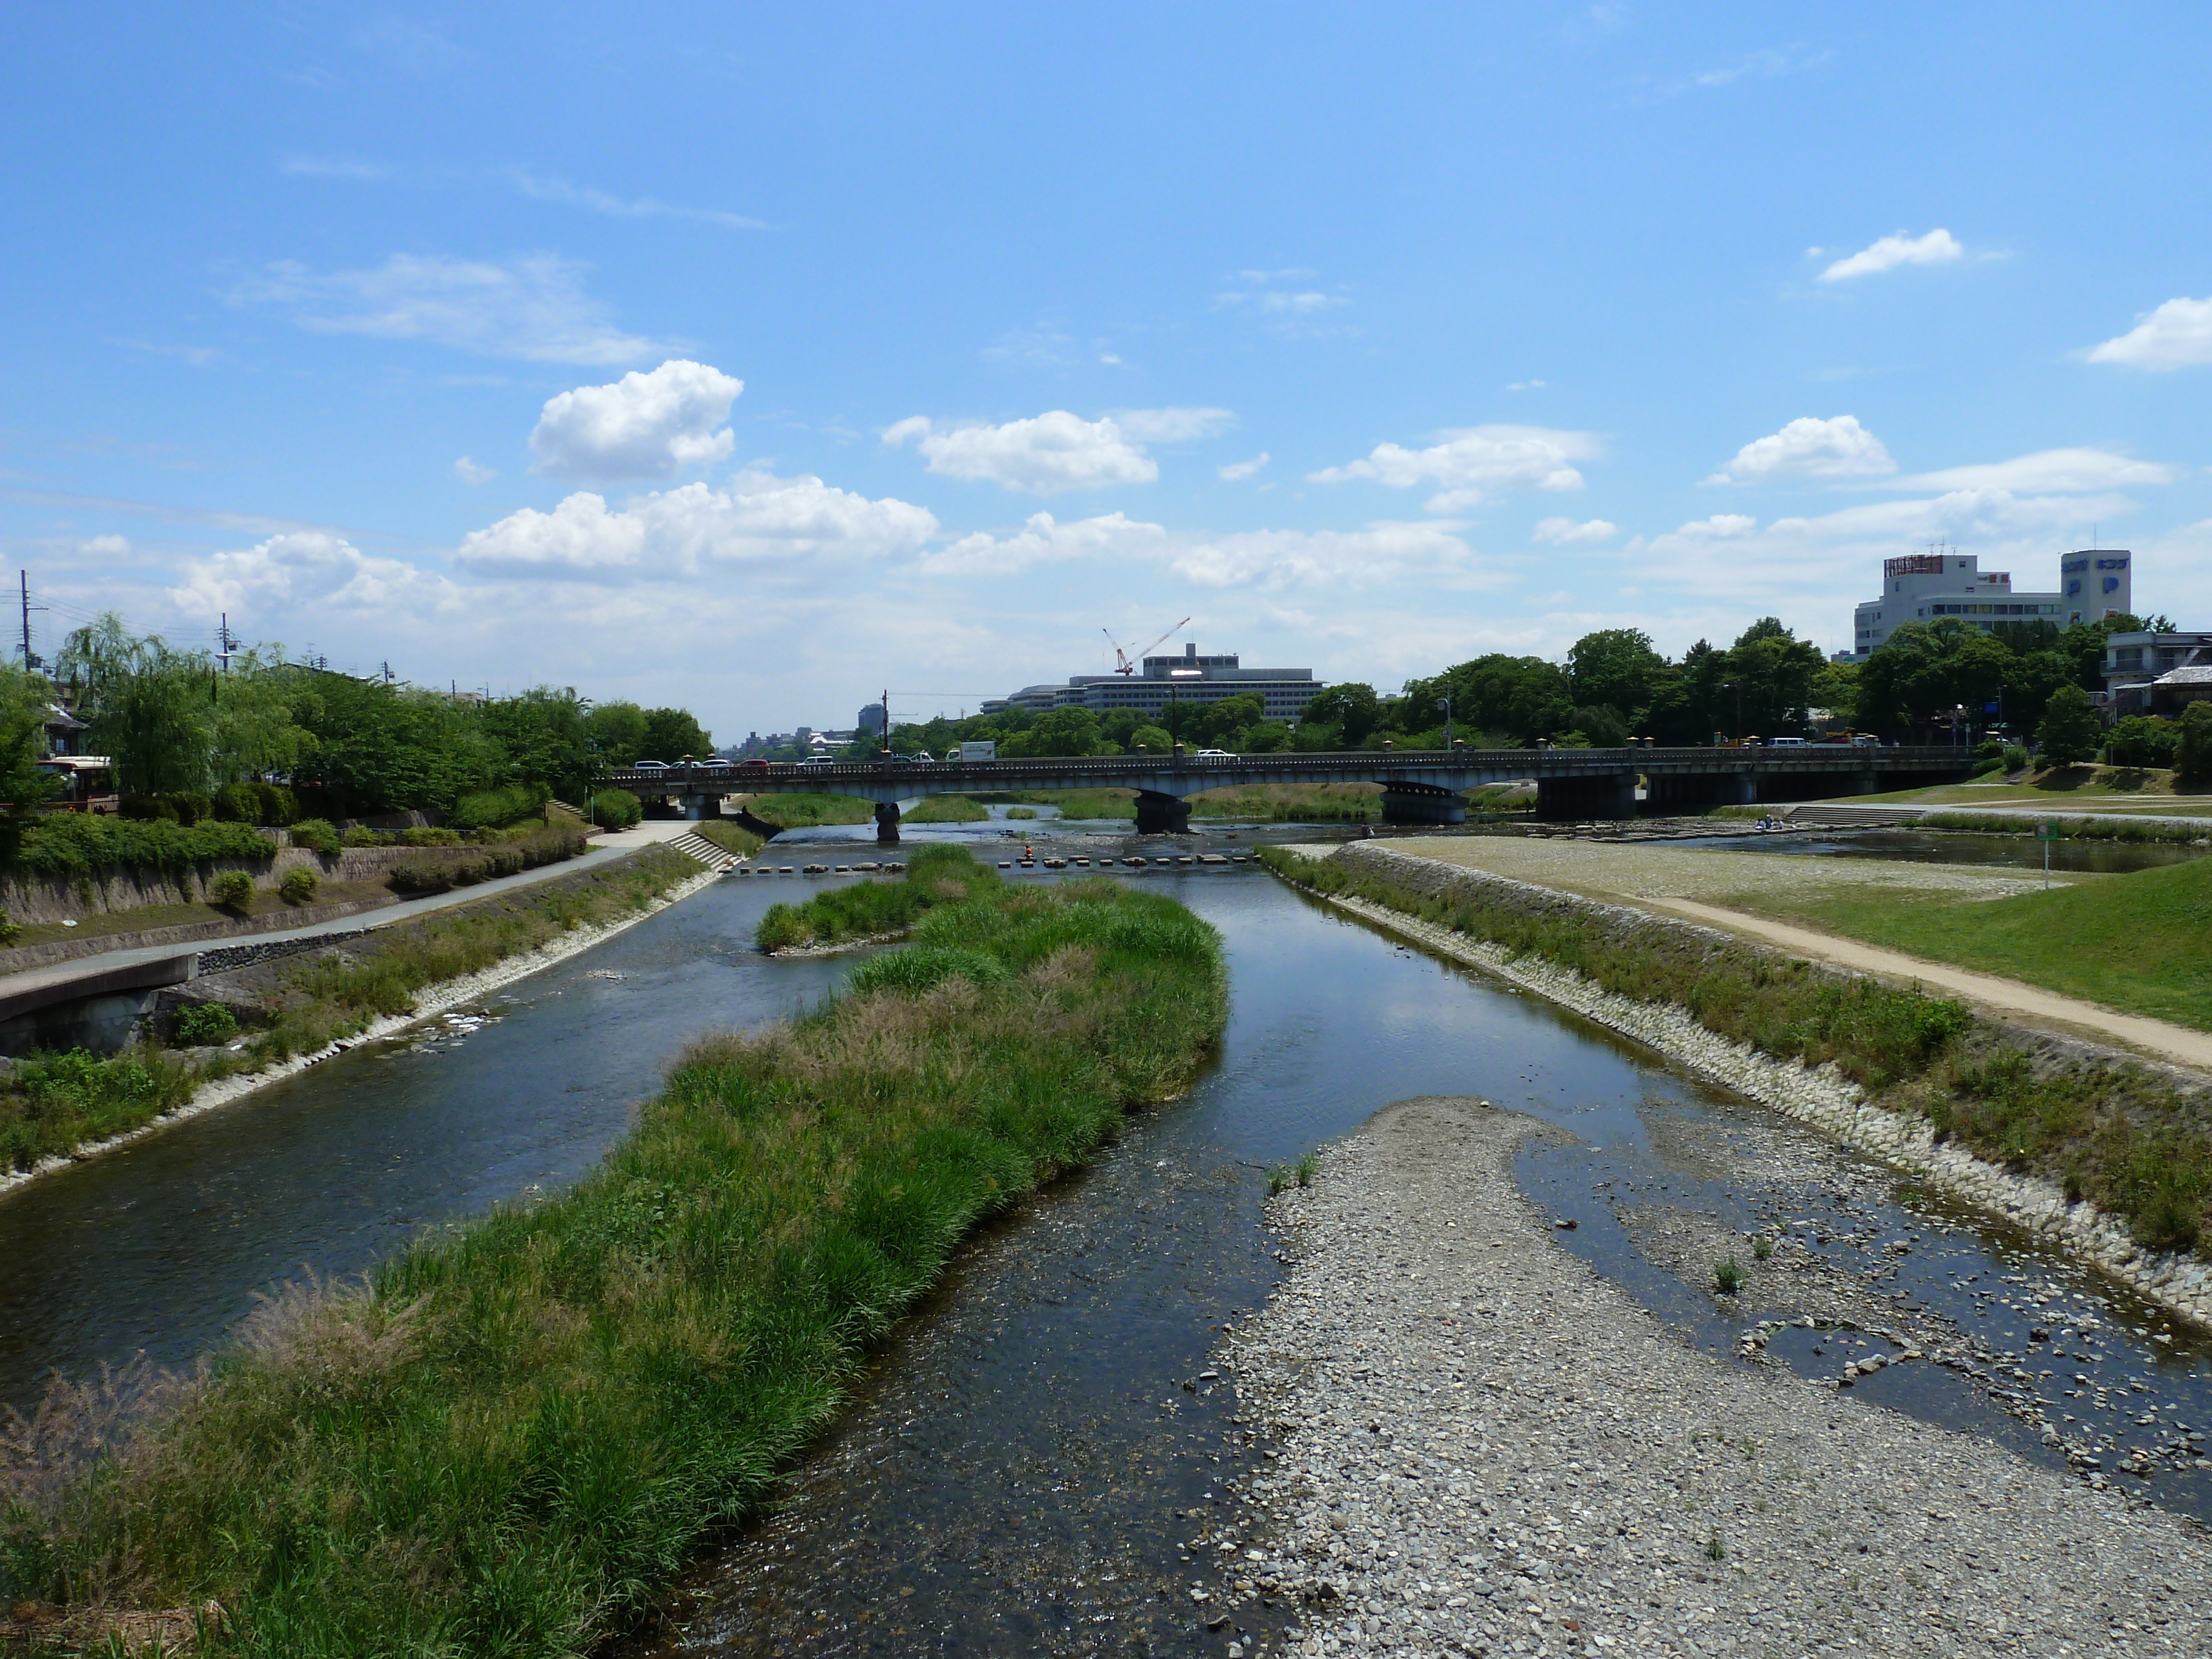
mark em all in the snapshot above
pixel 1448 723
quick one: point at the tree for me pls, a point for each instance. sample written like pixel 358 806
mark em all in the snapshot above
pixel 2193 755
pixel 1519 697
pixel 671 734
pixel 1772 670
pixel 2071 730
pixel 618 728
pixel 23 786
pixel 1614 668
pixel 1923 670
pixel 371 748
pixel 542 737
pixel 1353 709
pixel 1057 731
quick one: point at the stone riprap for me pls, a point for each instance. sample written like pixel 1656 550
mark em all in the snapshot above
pixel 1481 1447
pixel 1818 1096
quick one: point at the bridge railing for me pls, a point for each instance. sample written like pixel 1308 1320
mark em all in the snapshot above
pixel 1104 771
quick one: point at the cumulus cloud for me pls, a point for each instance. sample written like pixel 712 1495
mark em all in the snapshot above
pixel 1809 447
pixel 533 306
pixel 1052 452
pixel 1471 459
pixel 758 519
pixel 1937 247
pixel 1270 559
pixel 470 473
pixel 1238 470
pixel 2049 471
pixel 1042 540
pixel 643 426
pixel 1172 426
pixel 1565 532
pixel 308 568
pixel 2178 335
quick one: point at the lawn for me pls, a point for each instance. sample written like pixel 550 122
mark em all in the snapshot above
pixel 2062 788
pixel 2140 943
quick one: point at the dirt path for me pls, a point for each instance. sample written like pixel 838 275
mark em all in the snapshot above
pixel 2005 996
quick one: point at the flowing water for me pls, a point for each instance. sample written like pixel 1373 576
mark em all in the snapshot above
pixel 1032 1455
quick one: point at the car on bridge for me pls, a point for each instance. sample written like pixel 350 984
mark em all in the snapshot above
pixel 650 766
pixel 1213 755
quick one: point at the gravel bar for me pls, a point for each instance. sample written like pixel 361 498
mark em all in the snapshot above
pixel 1482 1447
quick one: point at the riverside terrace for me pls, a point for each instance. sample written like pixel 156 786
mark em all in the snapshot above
pixel 1418 787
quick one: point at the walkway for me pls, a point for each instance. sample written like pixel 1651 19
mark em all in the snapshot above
pixel 109 969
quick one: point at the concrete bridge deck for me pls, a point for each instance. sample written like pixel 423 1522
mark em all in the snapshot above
pixel 1418 786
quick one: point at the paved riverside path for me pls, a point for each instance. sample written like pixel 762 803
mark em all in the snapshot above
pixel 1677 880
pixel 98 969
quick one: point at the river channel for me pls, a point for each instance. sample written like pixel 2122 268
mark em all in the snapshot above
pixel 1031 1456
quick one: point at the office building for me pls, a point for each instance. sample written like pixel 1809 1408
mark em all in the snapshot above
pixel 1283 692
pixel 1924 587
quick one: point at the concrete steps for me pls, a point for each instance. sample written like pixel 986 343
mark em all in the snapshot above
pixel 693 845
pixel 1846 817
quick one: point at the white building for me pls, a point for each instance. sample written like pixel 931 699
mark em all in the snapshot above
pixel 1283 693
pixel 1923 586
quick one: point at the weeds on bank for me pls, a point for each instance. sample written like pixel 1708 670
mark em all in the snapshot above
pixel 869 909
pixel 1729 1276
pixel 2113 1134
pixel 730 837
pixel 519 1432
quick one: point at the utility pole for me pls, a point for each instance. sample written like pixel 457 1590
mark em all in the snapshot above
pixel 225 643
pixel 30 662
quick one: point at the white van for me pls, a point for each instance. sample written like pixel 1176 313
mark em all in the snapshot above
pixel 988 750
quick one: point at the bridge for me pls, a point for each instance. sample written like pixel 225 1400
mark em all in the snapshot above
pixel 1418 786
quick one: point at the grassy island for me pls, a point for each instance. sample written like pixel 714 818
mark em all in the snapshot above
pixel 522 1430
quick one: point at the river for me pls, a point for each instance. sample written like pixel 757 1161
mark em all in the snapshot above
pixel 1031 1452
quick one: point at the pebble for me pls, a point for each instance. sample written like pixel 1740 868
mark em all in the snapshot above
pixel 1484 1447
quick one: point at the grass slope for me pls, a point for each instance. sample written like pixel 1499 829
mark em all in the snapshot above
pixel 2140 942
pixel 805 811
pixel 946 809
pixel 2113 1134
pixel 527 1427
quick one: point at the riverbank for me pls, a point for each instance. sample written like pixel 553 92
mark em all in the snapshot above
pixel 1481 1446
pixel 2084 1145
pixel 529 1423
pixel 324 1002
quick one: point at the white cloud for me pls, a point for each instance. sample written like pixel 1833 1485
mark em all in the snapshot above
pixel 1042 540
pixel 1565 532
pixel 1937 247
pixel 1172 426
pixel 1526 385
pixel 332 166
pixel 533 307
pixel 1274 297
pixel 543 187
pixel 643 426
pixel 470 473
pixel 308 567
pixel 1471 460
pixel 1052 452
pixel 1763 65
pixel 104 547
pixel 758 519
pixel 1238 470
pixel 2178 335
pixel 1809 447
pixel 2056 471
pixel 1382 552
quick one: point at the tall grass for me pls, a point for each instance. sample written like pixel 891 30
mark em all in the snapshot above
pixel 2106 1131
pixel 2068 828
pixel 947 809
pixel 730 837
pixel 519 1432
pixel 55 1102
pixel 873 909
pixel 805 811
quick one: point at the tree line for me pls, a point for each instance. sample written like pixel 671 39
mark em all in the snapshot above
pixel 179 726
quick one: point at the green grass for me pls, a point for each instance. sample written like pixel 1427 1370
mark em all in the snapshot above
pixel 2110 1132
pixel 2110 787
pixel 805 811
pixel 526 1428
pixel 2070 827
pixel 1072 802
pixel 54 1104
pixel 1292 803
pixel 2140 942
pixel 730 837
pixel 874 909
pixel 946 809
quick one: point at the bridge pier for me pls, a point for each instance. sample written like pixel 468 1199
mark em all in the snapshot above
pixel 1600 795
pixel 1663 793
pixel 1404 803
pixel 887 822
pixel 1162 815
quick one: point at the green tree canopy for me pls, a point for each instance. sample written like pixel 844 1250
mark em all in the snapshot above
pixel 618 729
pixel 1353 709
pixel 1615 668
pixel 671 734
pixel 2071 730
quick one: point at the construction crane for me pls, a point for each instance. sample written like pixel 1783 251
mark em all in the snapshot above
pixel 1122 663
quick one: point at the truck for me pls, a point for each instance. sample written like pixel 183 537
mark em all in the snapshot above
pixel 979 751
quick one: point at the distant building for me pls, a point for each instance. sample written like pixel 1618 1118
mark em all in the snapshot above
pixel 870 719
pixel 2156 673
pixel 1924 586
pixel 1283 693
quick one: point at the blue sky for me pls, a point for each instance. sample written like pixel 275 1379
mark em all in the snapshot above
pixel 757 359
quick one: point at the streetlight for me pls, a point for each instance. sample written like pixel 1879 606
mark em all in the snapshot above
pixel 1447 726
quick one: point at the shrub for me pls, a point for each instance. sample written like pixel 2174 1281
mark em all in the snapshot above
pixel 233 889
pixel 506 858
pixel 2016 757
pixel 279 806
pixel 2192 752
pixel 616 808
pixel 429 836
pixel 148 809
pixel 316 835
pixel 200 1024
pixel 2141 741
pixel 494 808
pixel 1021 812
pixel 1729 1276
pixel 86 846
pixel 10 929
pixel 299 886
pixel 238 802
pixel 362 835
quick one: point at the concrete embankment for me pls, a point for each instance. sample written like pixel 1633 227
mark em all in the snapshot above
pixel 1483 1447
pixel 428 1003
pixel 1818 1096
